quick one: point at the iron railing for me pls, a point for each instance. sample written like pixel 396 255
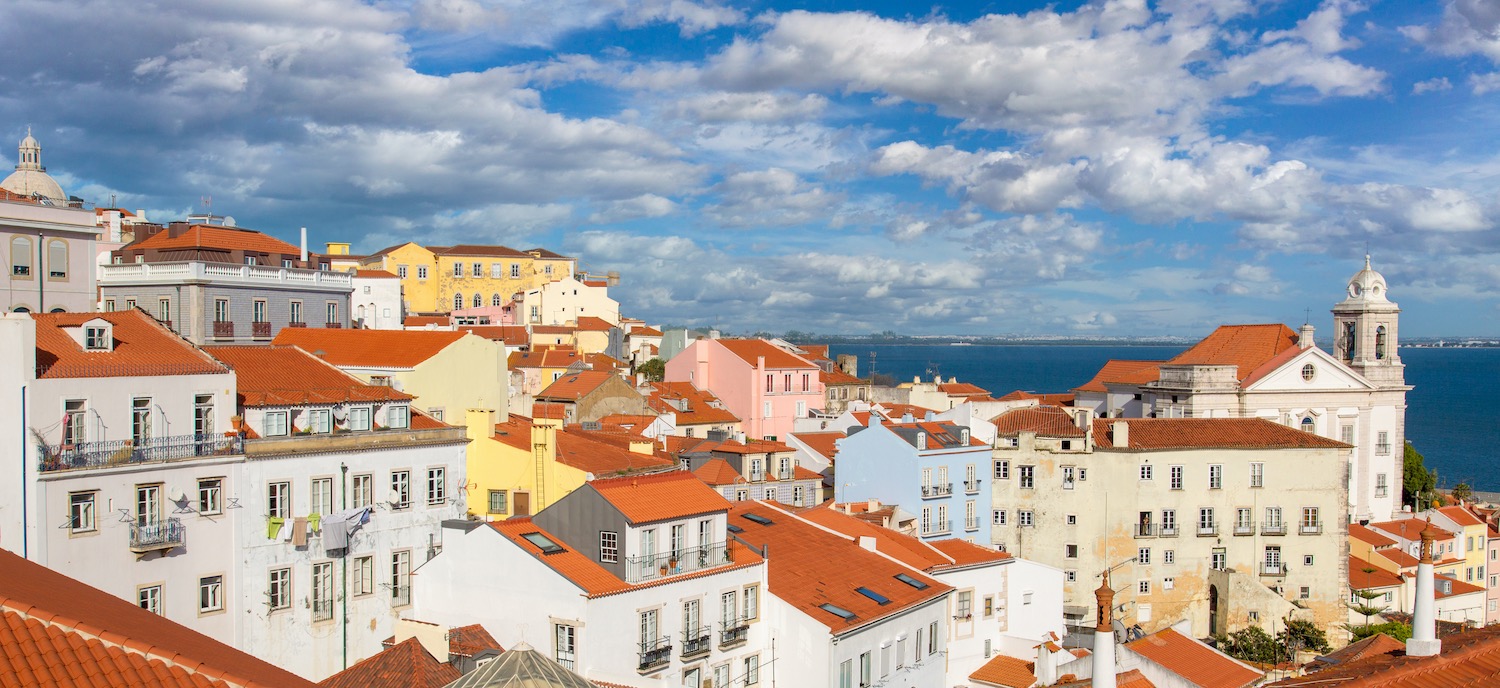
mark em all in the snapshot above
pixel 322 610
pixel 929 491
pixel 1244 529
pixel 656 653
pixel 58 457
pixel 1311 528
pixel 260 330
pixel 1168 530
pixel 401 595
pixel 1145 530
pixel 1273 528
pixel 937 527
pixel 971 486
pixel 697 641
pixel 686 560
pixel 1272 569
pixel 146 537
pixel 333 325
pixel 1208 530
pixel 733 632
pixel 223 330
pixel 971 523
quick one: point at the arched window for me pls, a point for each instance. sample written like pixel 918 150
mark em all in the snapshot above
pixel 458 302
pixel 20 257
pixel 1307 424
pixel 495 300
pixel 1380 342
pixel 1350 340
pixel 21 309
pixel 57 259
pixel 478 301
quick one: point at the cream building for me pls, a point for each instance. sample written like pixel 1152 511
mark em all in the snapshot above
pixel 1356 394
pixel 1224 522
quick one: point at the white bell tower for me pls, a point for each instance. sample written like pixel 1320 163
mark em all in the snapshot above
pixel 1365 330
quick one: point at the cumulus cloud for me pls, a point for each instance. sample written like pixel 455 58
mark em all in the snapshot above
pixel 769 198
pixel 1434 85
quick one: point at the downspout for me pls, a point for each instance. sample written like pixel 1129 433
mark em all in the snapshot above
pixel 344 623
pixel 41 272
pixel 25 485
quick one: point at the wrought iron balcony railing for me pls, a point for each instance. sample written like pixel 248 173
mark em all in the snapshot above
pixel 685 560
pixel 157 535
pixel 59 457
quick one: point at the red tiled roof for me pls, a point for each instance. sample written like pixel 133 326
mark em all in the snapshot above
pixel 1200 664
pixel 717 472
pixel 1220 433
pixel 1371 537
pixel 424 320
pixel 589 323
pixel 812 567
pixel 1125 679
pixel 374 274
pixel 575 386
pixel 403 665
pixel 1398 557
pixel 289 376
pixel 1378 644
pixel 1116 371
pixel 544 253
pixel 660 497
pixel 1008 672
pixel 471 640
pixel 142 347
pixel 1455 587
pixel 553 329
pixel 1411 529
pixel 577 567
pixel 544 357
pixel 894 411
pixel 645 332
pixel 700 411
pixel 965 553
pixel 1270 366
pixel 1460 515
pixel 1359 579
pixel 1045 421
pixel 940 434
pixel 632 423
pixel 1471 658
pixel 586 453
pixel 369 348
pixel 895 544
pixel 750 350
pixel 839 377
pixel 57 631
pixel 1245 346
pixel 1042 399
pixel 512 335
pixel 962 389
pixel 820 442
pixel 222 238
pixel 465 250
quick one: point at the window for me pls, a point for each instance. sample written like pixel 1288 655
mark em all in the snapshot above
pixel 359 418
pixel 1382 443
pixel 478 301
pixel 1168 583
pixel 279 593
pixel 1175 472
pixel 1169 556
pixel 547 269
pixel 140 421
pixel 401 489
pixel 275 423
pixel 1273 518
pixel 210 594
pixel 1070 551
pixel 401 271
pixel 398 416
pixel 965 604
pixel 752 670
pixel 148 504
pixel 258 311
pixel 279 499
pixel 989 605
pixel 1146 472
pixel 1218 559
pixel 998 517
pixel 1143 556
pixel 109 305
pixel 477 270
pixel 1244 522
pixel 81 512
pixel 1144 587
pixel 458 269
pixel 1169 522
pixel 75 422
pixel 1071 519
pixel 1257 475
pixel 57 259
pixel 495 300
pixel 1002 470
pixel 400 578
pixel 932 638
pixel 250 260
pixel 728 607
pixel 1028 479
pixel 164 310
pixel 1380 485
pixel 321 496
pixel 210 496
pixel 1346 434
pixel 1310 521
pixel 421 272
pixel 786 384
pixel 20 257
pixel 322 591
pixel 497 502
pixel 752 603
pixel 437 486
pixel 515 270
pixel 458 301
pixel 149 598
pixel 319 421
pixel 864 669
pixel 1025 518
pixel 565 645
pixel 363 490
pixel 1273 559
pixel 331 311
pixel 1215 477
pixel 362 574
pixel 609 546
pixel 1206 520
pixel 649 629
pixel 96 339
pixel 294 310
pixel 1067 477
pixel 221 310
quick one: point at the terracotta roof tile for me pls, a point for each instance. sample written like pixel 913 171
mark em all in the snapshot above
pixel 575 386
pixel 222 238
pixel 1045 421
pixel 1042 399
pixel 553 329
pixel 750 350
pixel 1359 579
pixel 1220 433
pixel 812 567
pixel 717 472
pixel 585 452
pixel 904 548
pixel 1005 671
pixel 375 274
pixel 369 348
pixel 142 347
pixel 1245 346
pixel 289 376
pixel 425 320
pixel 404 665
pixel 645 332
pixel 512 335
pixel 1378 644
pixel 1117 371
pixel 962 389
pixel 821 442
pixel 544 357
pixel 751 446
pixel 544 253
pixel 466 250
pixel 1471 658
pixel 1460 515
pixel 660 497
pixel 1411 529
pixel 894 412
pixel 1455 586
pixel 1198 663
pixel 589 323
pixel 1270 366
pixel 1125 679
pixel 1370 537
pixel 700 404
pixel 55 631
pixel 965 553
pixel 839 377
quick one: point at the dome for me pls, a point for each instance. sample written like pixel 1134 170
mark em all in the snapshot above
pixel 29 142
pixel 28 182
pixel 1367 285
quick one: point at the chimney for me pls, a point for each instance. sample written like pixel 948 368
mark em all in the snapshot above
pixel 1121 431
pixel 1104 636
pixel 1305 336
pixel 867 542
pixel 480 423
pixel 1424 641
pixel 1046 662
pixel 929 417
pixel 434 638
pixel 873 505
pixel 304 246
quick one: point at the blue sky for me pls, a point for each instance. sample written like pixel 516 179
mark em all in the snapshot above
pixel 1112 168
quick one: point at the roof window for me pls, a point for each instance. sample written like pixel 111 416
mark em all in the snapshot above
pixel 757 518
pixel 879 598
pixel 543 543
pixel 735 529
pixel 837 611
pixel 911 581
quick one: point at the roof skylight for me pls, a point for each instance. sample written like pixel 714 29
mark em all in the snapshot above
pixel 879 598
pixel 542 542
pixel 758 519
pixel 911 581
pixel 837 611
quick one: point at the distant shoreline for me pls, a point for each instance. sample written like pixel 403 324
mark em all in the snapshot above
pixel 992 341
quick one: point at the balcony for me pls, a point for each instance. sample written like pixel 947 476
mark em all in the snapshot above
pixel 696 643
pixel 401 595
pixel 1244 529
pixel 1271 568
pixel 223 330
pixel 352 441
pixel 260 330
pixel 296 323
pixel 733 633
pixel 655 654
pixel 932 491
pixel 150 537
pixel 1310 528
pixel 59 457
pixel 1273 528
pixel 1168 530
pixel 322 610
pixel 1145 530
pixel 1383 449
pixel 654 566
pixel 135 274
pixel 937 528
pixel 1208 530
pixel 971 487
pixel 333 325
pixel 971 524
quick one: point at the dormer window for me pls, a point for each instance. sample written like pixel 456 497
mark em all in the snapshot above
pixel 96 338
pixel 398 416
pixel 963 436
pixel 921 441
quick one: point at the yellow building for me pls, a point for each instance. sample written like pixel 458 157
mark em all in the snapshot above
pixel 519 467
pixel 441 279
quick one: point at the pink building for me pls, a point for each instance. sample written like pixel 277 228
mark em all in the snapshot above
pixel 765 385
pixel 1492 577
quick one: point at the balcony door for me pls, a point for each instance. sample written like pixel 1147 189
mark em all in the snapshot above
pixel 147 505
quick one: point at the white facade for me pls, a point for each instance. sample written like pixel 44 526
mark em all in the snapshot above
pixel 566 300
pixel 376 303
pixel 49 253
pixel 899 649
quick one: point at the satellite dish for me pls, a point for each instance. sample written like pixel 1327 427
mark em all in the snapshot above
pixel 228 220
pixel 394 497
pixel 177 495
pixel 340 412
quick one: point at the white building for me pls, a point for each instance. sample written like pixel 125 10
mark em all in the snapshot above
pixel 1356 395
pixel 566 300
pixel 376 303
pixel 51 253
pixel 634 581
pixel 143 482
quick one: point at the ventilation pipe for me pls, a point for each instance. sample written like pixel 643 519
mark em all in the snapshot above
pixel 304 246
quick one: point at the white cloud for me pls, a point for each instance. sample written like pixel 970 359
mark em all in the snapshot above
pixel 769 198
pixel 1434 85
pixel 724 106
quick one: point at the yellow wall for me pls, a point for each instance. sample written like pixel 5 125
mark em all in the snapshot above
pixel 494 465
pixel 435 293
pixel 469 373
pixel 418 293
pixel 592 341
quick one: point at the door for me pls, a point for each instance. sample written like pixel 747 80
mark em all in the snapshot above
pixel 523 503
pixel 147 505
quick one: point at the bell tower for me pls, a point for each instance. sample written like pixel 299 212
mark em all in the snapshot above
pixel 1365 330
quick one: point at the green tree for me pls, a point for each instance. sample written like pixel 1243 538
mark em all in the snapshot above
pixel 654 369
pixel 1395 629
pixel 1462 492
pixel 1366 606
pixel 1302 635
pixel 1250 644
pixel 1417 483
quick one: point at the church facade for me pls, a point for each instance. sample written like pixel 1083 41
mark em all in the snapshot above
pixel 47 244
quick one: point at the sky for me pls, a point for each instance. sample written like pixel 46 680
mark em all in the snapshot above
pixel 1116 168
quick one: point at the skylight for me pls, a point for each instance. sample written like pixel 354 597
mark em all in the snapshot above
pixel 543 543
pixel 837 611
pixel 879 598
pixel 911 581
pixel 758 519
pixel 735 529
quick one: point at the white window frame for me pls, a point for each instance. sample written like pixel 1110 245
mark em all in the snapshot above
pixel 210 594
pixel 275 424
pixel 279 589
pixel 437 485
pixel 81 512
pixel 401 485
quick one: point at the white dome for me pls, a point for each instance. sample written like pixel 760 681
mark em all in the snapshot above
pixel 1367 285
pixel 28 182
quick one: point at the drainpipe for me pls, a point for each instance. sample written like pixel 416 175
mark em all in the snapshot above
pixel 344 504
pixel 41 272
pixel 25 485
